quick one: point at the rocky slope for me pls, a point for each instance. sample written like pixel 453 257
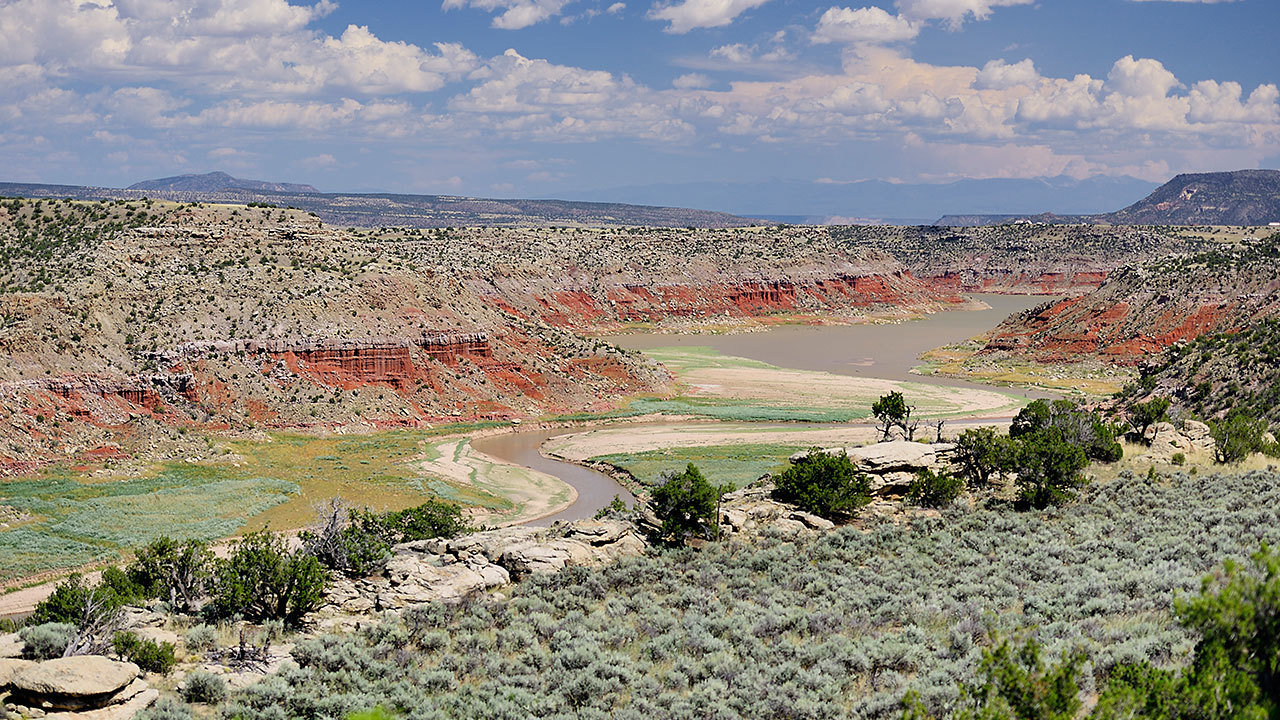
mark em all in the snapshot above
pixel 1243 197
pixel 1217 373
pixel 1142 310
pixel 1033 259
pixel 122 325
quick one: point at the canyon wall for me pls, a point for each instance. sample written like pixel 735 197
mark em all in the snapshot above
pixel 1140 311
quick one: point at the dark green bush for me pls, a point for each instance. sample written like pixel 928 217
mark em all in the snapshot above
pixel 934 489
pixel 826 485
pixel 687 506
pixel 1145 414
pixel 1237 436
pixel 1076 426
pixel 981 453
pixel 73 601
pixel 177 572
pixel 263 580
pixel 1016 683
pixel 1049 469
pixel 151 656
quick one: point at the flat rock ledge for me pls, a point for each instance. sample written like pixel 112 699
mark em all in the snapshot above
pixel 86 687
pixel 893 464
pixel 452 569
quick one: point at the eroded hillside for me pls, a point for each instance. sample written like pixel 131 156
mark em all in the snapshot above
pixel 127 324
pixel 1025 258
pixel 1142 310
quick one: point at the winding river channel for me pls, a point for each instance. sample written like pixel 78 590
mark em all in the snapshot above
pixel 883 351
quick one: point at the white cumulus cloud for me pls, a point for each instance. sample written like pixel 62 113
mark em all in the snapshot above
pixel 864 25
pixel 685 15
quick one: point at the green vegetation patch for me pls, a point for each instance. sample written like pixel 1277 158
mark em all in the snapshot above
pixel 744 410
pixel 81 520
pixel 78 519
pixel 739 465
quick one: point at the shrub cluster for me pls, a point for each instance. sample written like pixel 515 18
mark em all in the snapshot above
pixel 837 626
pixel 151 656
pixel 356 541
pixel 687 506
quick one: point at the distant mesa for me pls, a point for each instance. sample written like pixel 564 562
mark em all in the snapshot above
pixel 215 181
pixel 1242 197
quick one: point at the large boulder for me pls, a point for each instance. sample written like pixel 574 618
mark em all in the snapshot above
pixel 81 676
pixel 124 710
pixel 894 456
pixel 77 684
pixel 10 667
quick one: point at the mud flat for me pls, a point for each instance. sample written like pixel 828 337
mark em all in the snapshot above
pixel 531 493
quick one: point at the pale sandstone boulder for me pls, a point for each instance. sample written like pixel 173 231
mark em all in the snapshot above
pixel 10 667
pixel 123 711
pixel 84 676
pixel 11 646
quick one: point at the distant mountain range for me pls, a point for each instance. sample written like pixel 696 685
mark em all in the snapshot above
pixel 215 181
pixel 866 200
pixel 379 209
pixel 1244 197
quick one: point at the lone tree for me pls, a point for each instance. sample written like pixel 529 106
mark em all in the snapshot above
pixel 893 411
pixel 1049 467
pixel 687 506
pixel 1145 414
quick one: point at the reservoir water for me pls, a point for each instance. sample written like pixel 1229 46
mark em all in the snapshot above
pixel 886 350
pixel 872 350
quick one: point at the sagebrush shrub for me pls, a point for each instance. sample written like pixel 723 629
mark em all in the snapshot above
pixel 46 641
pixel 202 686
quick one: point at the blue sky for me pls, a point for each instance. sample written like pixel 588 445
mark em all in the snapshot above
pixel 545 97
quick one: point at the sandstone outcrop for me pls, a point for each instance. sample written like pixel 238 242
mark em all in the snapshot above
pixel 454 568
pixel 751 511
pixel 87 687
pixel 1167 440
